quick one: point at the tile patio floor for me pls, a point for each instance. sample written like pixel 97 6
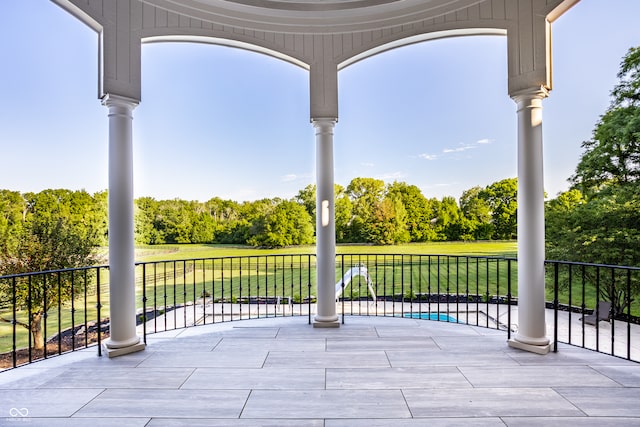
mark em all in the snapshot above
pixel 282 372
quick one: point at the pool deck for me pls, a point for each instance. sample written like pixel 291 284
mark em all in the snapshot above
pixel 372 371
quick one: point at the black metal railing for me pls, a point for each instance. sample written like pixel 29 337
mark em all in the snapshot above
pixel 68 309
pixel 577 291
pixel 48 313
pixel 193 292
pixel 460 289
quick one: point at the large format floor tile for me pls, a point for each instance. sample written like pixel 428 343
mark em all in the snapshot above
pixel 326 403
pixel 166 403
pixel 488 402
pixel 370 372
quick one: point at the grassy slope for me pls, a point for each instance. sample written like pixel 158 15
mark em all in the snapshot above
pixel 175 289
pixel 180 252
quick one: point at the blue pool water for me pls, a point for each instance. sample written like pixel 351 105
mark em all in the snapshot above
pixel 432 316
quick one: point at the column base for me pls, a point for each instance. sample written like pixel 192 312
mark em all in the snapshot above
pixel 326 323
pixel 120 349
pixel 532 348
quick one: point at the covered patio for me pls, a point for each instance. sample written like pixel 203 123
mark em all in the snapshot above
pixel 373 371
pixel 322 37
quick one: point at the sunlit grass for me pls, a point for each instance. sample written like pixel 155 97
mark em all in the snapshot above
pixel 178 274
pixel 181 252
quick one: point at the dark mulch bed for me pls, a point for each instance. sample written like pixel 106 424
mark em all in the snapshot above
pixel 68 340
pixel 72 339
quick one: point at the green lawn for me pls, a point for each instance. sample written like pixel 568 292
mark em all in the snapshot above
pixel 394 270
pixel 175 274
pixel 180 252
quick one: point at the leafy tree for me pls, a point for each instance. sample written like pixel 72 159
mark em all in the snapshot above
pixel 174 221
pixel 602 230
pixel 307 198
pixel 365 195
pixel 13 208
pixel 344 212
pixel 502 199
pixel 612 156
pixel 562 224
pixel 99 216
pixel 343 208
pixel 477 214
pixel 146 213
pixel 382 228
pixel 419 210
pixel 627 91
pixel 597 221
pixel 388 225
pixel 59 230
pixel 229 225
pixel 287 224
pixel 448 220
pixel 203 225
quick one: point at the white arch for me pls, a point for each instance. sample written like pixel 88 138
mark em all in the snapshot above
pixel 229 43
pixel 421 38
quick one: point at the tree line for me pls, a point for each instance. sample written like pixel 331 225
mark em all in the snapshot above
pixel 366 211
pixel 596 221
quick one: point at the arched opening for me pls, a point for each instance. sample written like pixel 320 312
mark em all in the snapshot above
pixel 434 114
pixel 216 121
pixel 52 128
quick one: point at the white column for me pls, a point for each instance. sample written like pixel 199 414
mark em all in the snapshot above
pixel 122 303
pixel 531 335
pixel 325 226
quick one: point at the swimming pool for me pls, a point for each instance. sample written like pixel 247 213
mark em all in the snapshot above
pixel 432 316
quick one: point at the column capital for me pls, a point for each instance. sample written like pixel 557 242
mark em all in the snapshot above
pixel 324 121
pixel 119 101
pixel 539 92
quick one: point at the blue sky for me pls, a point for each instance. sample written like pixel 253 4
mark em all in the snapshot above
pixel 216 121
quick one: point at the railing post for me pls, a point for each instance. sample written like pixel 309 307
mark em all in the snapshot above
pixel 73 311
pixel 402 292
pixel 555 307
pixel 612 320
pixel 98 307
pixel 596 308
pixel 509 299
pixel 583 305
pixel 29 312
pixel 343 286
pixel 45 306
pixel 438 287
pixel 570 303
pixel 477 291
pixel 239 289
pixel 59 313
pixel 195 293
pixel 155 297
pixel 144 303
pixel 309 300
pixel 14 322
pixel 184 292
pixel 628 314
pixel 487 293
pixel 497 293
pixel 175 285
